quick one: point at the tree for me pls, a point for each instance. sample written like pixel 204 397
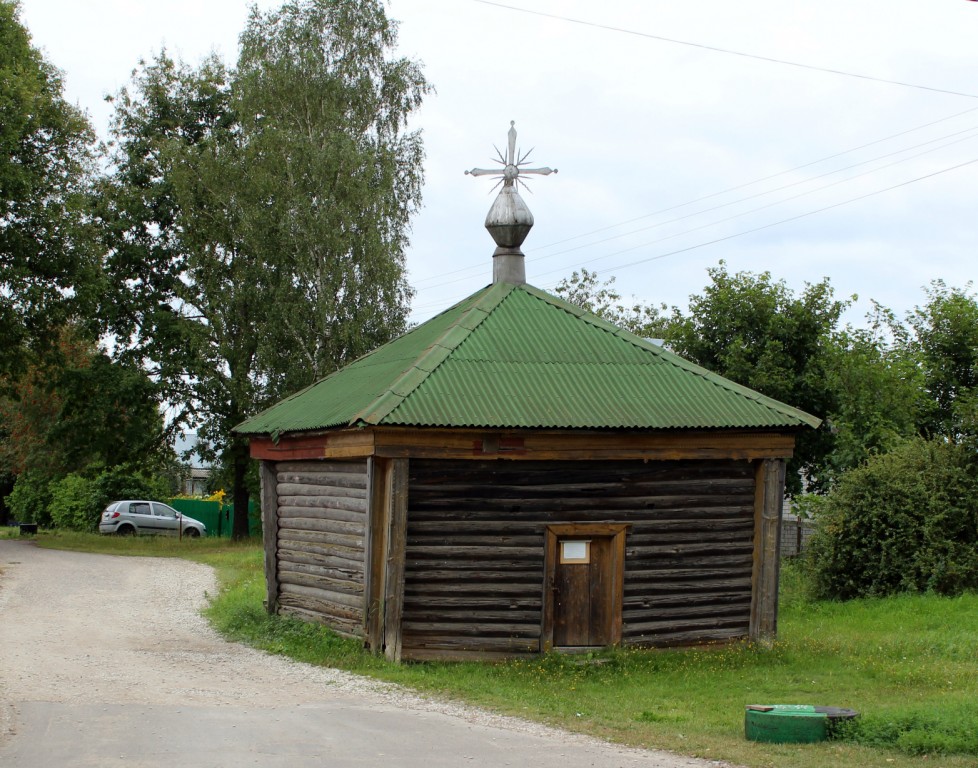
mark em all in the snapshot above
pixel 49 265
pixel 880 396
pixel 755 331
pixel 945 346
pixel 336 177
pixel 266 211
pixel 602 299
pixel 75 410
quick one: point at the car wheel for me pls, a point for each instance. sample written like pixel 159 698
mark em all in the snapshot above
pixel 193 533
pixel 126 530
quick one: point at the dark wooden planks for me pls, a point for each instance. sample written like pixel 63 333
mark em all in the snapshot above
pixel 320 547
pixel 475 540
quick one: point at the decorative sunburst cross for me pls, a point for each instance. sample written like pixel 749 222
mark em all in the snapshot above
pixel 513 164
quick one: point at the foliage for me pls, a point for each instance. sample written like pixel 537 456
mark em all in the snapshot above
pixel 945 345
pixel 262 213
pixel 49 267
pixel 880 396
pixel 28 501
pixel 583 289
pixel 127 482
pixel 72 506
pixel 755 331
pixel 905 521
pixel 74 408
pixel 342 170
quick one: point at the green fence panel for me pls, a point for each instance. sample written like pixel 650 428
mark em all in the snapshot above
pixel 219 518
pixel 208 512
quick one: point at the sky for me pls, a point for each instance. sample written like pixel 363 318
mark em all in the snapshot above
pixel 811 140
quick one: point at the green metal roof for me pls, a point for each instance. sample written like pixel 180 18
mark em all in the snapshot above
pixel 512 356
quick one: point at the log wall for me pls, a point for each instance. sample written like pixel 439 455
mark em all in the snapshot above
pixel 475 543
pixel 320 554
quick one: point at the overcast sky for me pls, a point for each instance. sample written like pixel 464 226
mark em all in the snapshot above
pixel 671 156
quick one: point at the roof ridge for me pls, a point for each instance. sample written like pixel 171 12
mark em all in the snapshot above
pixel 672 358
pixel 432 357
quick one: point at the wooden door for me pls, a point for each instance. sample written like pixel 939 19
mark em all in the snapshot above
pixel 583 596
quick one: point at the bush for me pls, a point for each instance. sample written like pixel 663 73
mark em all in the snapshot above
pixel 906 521
pixel 73 506
pixel 28 501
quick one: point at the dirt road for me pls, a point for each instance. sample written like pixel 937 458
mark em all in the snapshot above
pixel 106 661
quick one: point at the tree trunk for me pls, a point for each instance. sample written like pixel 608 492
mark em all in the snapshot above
pixel 240 457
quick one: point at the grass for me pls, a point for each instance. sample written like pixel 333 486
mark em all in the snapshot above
pixel 909 664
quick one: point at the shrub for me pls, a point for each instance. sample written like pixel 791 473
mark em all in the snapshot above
pixel 72 505
pixel 28 501
pixel 906 521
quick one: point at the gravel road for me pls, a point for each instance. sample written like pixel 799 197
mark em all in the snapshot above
pixel 106 661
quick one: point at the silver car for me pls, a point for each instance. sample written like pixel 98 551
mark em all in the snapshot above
pixel 148 517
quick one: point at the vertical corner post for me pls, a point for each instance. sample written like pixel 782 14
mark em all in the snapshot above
pixel 269 527
pixel 397 495
pixel 768 503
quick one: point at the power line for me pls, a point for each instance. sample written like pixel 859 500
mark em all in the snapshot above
pixel 970 131
pixel 970 135
pixel 476 267
pixel 728 51
pixel 795 218
pixel 772 224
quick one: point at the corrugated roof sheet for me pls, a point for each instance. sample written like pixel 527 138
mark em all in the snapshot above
pixel 514 356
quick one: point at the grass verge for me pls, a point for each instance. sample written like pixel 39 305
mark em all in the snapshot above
pixel 909 664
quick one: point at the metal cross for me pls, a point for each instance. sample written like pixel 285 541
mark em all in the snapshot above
pixel 512 162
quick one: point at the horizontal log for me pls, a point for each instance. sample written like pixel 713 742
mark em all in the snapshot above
pixel 575 471
pixel 321 527
pixel 651 628
pixel 312 541
pixel 322 560
pixel 462 564
pixel 338 575
pixel 688 549
pixel 465 540
pixel 347 628
pixel 481 617
pixel 480 553
pixel 702 637
pixel 718 567
pixel 325 479
pixel 325 524
pixel 338 467
pixel 650 535
pixel 590 480
pixel 323 502
pixel 481 498
pixel 314 576
pixel 327 611
pixel 299 585
pixel 344 515
pixel 463 654
pixel 556 513
pixel 414 645
pixel 420 576
pixel 477 590
pixel 463 628
pixel 704 605
pixel 685 590
pixel 520 526
pixel 321 491
pixel 480 603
